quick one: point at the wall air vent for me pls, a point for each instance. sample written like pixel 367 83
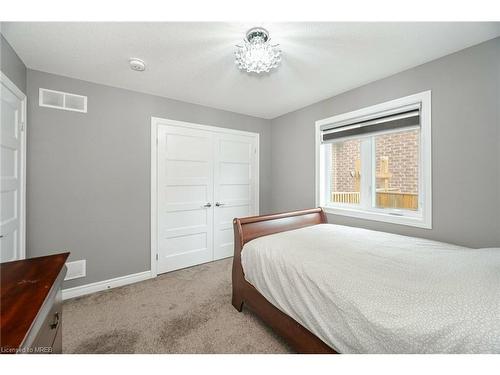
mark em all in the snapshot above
pixel 76 269
pixel 62 100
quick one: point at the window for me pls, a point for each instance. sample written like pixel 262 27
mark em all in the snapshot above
pixel 375 163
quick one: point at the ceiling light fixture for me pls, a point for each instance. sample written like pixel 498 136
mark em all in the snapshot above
pixel 257 54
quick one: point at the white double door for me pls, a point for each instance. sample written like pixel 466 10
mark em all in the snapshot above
pixel 205 179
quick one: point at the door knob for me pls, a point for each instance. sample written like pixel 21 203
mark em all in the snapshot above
pixel 207 205
pixel 218 204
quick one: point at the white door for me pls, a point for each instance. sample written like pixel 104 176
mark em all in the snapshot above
pixel 185 197
pixel 12 167
pixel 235 184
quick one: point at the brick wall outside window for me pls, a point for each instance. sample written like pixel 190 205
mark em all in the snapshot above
pixel 401 149
pixel 344 156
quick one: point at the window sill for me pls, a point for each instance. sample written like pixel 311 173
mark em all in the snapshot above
pixel 413 221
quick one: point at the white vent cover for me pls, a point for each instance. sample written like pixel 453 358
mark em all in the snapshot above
pixel 62 100
pixel 76 269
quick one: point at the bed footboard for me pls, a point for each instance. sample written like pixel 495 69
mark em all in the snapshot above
pixel 244 294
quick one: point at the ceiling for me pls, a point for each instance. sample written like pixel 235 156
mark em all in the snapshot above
pixel 194 62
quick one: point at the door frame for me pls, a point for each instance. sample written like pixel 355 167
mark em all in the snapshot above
pixel 155 122
pixel 22 159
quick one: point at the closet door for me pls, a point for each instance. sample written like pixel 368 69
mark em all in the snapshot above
pixel 235 184
pixel 185 197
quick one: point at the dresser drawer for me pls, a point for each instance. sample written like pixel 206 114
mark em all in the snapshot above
pixel 49 336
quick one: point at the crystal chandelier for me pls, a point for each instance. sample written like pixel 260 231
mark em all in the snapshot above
pixel 257 54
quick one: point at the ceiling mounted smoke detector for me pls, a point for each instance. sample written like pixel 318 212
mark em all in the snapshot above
pixel 137 64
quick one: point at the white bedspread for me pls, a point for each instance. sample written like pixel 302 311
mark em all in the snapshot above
pixel 363 291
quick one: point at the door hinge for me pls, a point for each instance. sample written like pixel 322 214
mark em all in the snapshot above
pixel 156 256
pixel 22 126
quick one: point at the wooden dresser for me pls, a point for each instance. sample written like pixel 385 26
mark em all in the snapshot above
pixel 31 305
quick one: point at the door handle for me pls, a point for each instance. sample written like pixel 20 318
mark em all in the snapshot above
pixel 218 204
pixel 207 205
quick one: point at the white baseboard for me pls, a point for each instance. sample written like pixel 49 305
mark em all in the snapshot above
pixel 105 284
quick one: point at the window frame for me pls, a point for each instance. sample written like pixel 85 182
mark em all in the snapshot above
pixel 421 218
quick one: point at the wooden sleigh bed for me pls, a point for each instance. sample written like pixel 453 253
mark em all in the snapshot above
pixel 244 294
pixel 378 300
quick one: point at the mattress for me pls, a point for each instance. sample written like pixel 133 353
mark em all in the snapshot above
pixel 363 291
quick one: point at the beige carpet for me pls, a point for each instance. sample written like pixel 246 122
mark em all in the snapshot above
pixel 186 311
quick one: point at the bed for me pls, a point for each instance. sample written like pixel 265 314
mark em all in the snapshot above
pixel 329 288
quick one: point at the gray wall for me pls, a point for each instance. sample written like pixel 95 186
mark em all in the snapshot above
pixel 465 145
pixel 88 175
pixel 11 64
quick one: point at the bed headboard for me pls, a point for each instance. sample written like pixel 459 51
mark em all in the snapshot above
pixel 249 228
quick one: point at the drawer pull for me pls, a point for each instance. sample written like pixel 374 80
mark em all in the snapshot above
pixel 56 321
